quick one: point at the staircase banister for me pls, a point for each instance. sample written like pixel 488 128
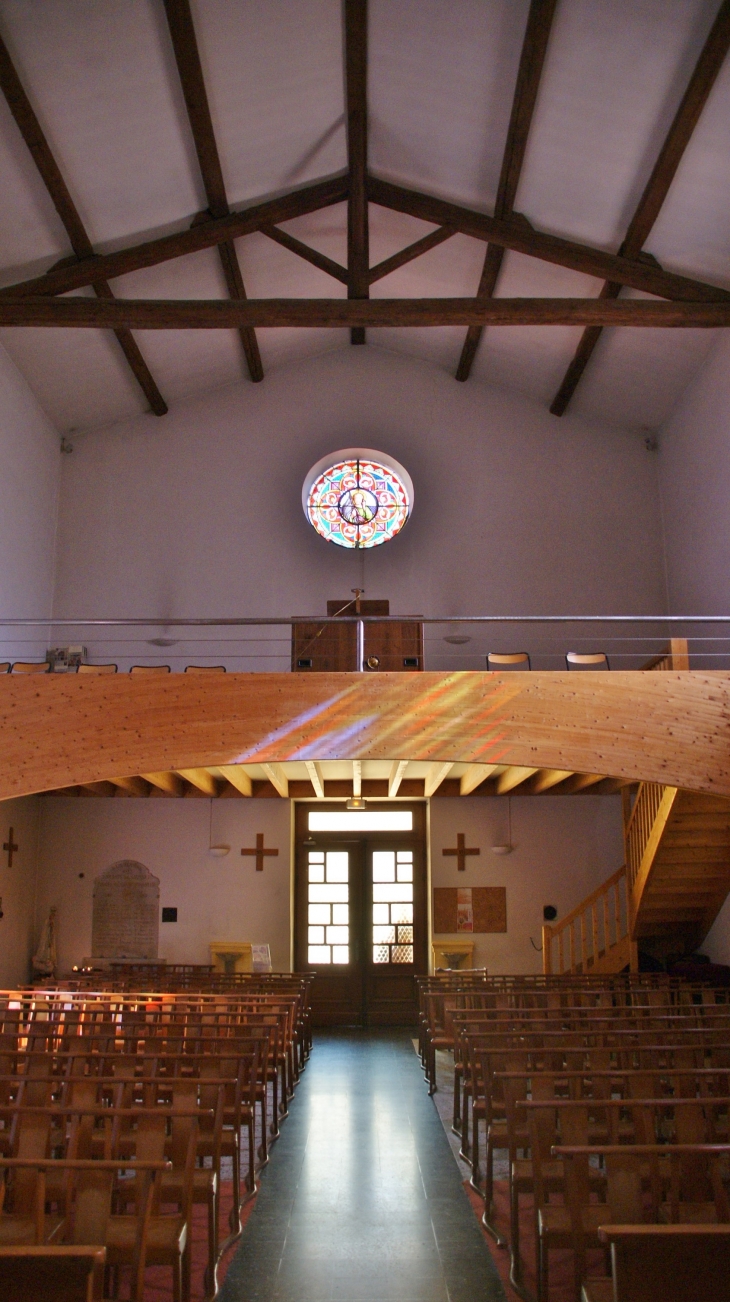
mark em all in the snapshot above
pixel 589 900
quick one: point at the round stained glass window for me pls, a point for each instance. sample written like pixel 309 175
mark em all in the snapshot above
pixel 357 497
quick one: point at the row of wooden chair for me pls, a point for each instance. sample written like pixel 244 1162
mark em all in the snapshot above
pixel 611 1102
pixel 95 1085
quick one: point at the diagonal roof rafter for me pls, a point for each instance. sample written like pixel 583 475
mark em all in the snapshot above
pixel 655 192
pixel 34 137
pixel 529 73
pixel 187 57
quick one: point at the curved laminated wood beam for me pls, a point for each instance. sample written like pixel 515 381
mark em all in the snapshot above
pixel 672 728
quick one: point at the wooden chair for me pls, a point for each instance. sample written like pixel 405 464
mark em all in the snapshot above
pixel 150 669
pixel 587 660
pixel 56 1273
pixel 97 669
pixel 31 667
pixel 511 660
pixel 653 1263
pixel 4 667
pixel 205 669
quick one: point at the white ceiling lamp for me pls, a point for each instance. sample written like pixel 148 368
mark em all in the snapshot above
pixel 220 850
pixel 506 848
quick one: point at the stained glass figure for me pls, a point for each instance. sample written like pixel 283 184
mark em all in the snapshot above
pixel 357 498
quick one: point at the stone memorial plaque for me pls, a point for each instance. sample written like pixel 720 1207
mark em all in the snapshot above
pixel 125 919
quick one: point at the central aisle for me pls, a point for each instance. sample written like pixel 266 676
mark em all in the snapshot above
pixel 362 1200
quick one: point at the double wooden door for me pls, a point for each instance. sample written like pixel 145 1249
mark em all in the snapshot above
pixel 361 915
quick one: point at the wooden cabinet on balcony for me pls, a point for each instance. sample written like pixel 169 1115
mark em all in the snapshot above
pixel 395 646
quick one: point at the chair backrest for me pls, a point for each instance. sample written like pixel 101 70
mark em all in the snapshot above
pixel 150 669
pixel 508 660
pixel 587 660
pixel 31 667
pixel 4 667
pixel 654 1262
pixel 97 669
pixel 205 669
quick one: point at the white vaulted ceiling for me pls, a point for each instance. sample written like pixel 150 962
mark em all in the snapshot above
pixel 102 79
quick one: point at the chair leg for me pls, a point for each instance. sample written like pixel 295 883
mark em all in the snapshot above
pixel 212 1242
pixel 177 1294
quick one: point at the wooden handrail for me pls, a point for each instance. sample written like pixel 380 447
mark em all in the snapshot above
pixel 677 657
pixel 604 916
pixel 648 818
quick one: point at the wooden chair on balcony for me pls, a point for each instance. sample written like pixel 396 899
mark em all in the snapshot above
pixel 31 667
pixel 508 660
pixel 587 660
pixel 205 669
pixel 5 667
pixel 97 669
pixel 150 669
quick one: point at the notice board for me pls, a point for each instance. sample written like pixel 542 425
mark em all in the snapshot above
pixel 469 909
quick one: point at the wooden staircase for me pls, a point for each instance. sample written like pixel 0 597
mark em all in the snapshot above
pixel 666 897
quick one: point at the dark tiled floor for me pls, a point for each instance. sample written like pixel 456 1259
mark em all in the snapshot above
pixel 362 1200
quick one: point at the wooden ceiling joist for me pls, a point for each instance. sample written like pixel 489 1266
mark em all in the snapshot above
pixel 473 777
pixel 532 58
pixel 201 779
pixel 356 72
pixel 512 777
pixel 34 137
pixel 544 779
pixel 171 783
pixel 678 137
pixel 395 776
pixel 277 777
pixel 334 313
pixel 133 786
pixel 315 778
pixel 187 57
pixel 238 778
pixel 434 777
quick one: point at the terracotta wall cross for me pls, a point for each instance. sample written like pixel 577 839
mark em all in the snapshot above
pixel 10 845
pixel 259 852
pixel 461 851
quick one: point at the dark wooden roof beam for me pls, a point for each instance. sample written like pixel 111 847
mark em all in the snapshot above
pixel 32 133
pixel 532 58
pixel 317 259
pixel 187 57
pixel 356 71
pixel 411 251
pixel 657 187
pixel 516 232
pixel 337 313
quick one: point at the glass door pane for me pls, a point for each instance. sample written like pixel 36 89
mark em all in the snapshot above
pixel 328 907
pixel 392 886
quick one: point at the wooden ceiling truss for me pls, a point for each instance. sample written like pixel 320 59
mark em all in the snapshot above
pixel 687 302
pixel 284 781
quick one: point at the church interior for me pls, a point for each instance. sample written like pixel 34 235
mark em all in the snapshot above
pixel 364 650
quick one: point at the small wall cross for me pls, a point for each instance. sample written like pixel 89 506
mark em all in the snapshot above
pixel 461 851
pixel 10 845
pixel 260 852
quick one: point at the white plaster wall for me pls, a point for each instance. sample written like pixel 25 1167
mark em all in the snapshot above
pixel 199 513
pixel 694 463
pixel 564 847
pixel 30 476
pixel 18 932
pixel 216 899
